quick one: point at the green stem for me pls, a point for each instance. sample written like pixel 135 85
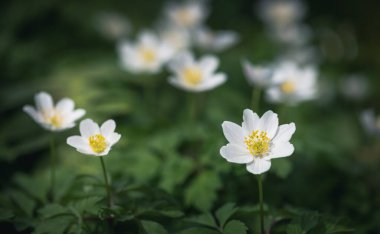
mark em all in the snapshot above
pixel 260 183
pixel 52 166
pixel 108 189
pixel 192 107
pixel 256 96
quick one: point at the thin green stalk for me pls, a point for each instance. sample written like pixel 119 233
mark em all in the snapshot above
pixel 193 108
pixel 260 183
pixel 256 96
pixel 108 189
pixel 52 166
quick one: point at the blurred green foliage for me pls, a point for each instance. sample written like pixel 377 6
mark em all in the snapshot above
pixel 166 172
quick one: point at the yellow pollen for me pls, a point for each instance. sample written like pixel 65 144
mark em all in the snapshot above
pixel 97 143
pixel 55 121
pixel 288 87
pixel 257 143
pixel 192 75
pixel 148 55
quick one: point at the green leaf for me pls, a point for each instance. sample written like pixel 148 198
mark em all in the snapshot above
pixel 294 229
pixel 89 205
pixel 151 227
pixel 56 225
pixel 5 214
pixel 24 202
pixel 51 210
pixel 206 185
pixel 225 212
pixel 198 230
pixel 235 227
pixel 204 219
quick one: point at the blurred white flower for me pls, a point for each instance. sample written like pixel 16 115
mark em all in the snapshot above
pixel 112 25
pixel 177 38
pixel 54 118
pixel 94 140
pixel 354 87
pixel 281 13
pixel 147 55
pixel 257 141
pixel 292 84
pixel 188 14
pixel 370 122
pixel 207 39
pixel 292 35
pixel 257 75
pixel 194 76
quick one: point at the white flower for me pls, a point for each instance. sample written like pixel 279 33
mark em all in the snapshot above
pixel 187 15
pixel 94 140
pixel 292 35
pixel 292 84
pixel 54 118
pixel 257 141
pixel 370 122
pixel 177 38
pixel 281 13
pixel 112 25
pixel 147 55
pixel 195 76
pixel 215 40
pixel 257 75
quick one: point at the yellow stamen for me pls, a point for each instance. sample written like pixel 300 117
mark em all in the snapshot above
pixel 148 55
pixel 97 143
pixel 288 87
pixel 257 143
pixel 192 75
pixel 54 120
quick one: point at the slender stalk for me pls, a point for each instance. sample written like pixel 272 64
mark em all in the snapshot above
pixel 52 166
pixel 108 189
pixel 193 108
pixel 256 96
pixel 260 183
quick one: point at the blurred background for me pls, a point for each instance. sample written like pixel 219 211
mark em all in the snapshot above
pixel 69 49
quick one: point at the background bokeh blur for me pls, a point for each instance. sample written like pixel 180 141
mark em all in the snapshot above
pixel 61 47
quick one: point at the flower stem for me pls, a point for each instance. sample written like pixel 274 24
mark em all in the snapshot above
pixel 108 189
pixel 256 96
pixel 261 204
pixel 52 167
pixel 193 108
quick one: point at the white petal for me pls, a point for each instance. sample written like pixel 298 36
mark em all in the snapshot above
pixel 285 132
pixel 269 123
pixel 209 64
pixel 233 132
pixel 77 142
pixel 258 166
pixel 88 128
pixel 213 82
pixel 77 114
pixel 44 102
pixel 108 127
pixel 236 154
pixel 250 120
pixel 281 149
pixel 65 105
pixel 32 112
pixel 113 138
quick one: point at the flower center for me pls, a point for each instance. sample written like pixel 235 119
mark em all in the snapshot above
pixel 147 55
pixel 288 87
pixel 192 75
pixel 97 143
pixel 55 121
pixel 258 143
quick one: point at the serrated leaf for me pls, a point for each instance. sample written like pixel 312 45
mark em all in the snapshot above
pixel 225 212
pixel 51 210
pixel 198 230
pixel 56 225
pixel 87 205
pixel 204 219
pixel 235 227
pixel 294 229
pixel 151 227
